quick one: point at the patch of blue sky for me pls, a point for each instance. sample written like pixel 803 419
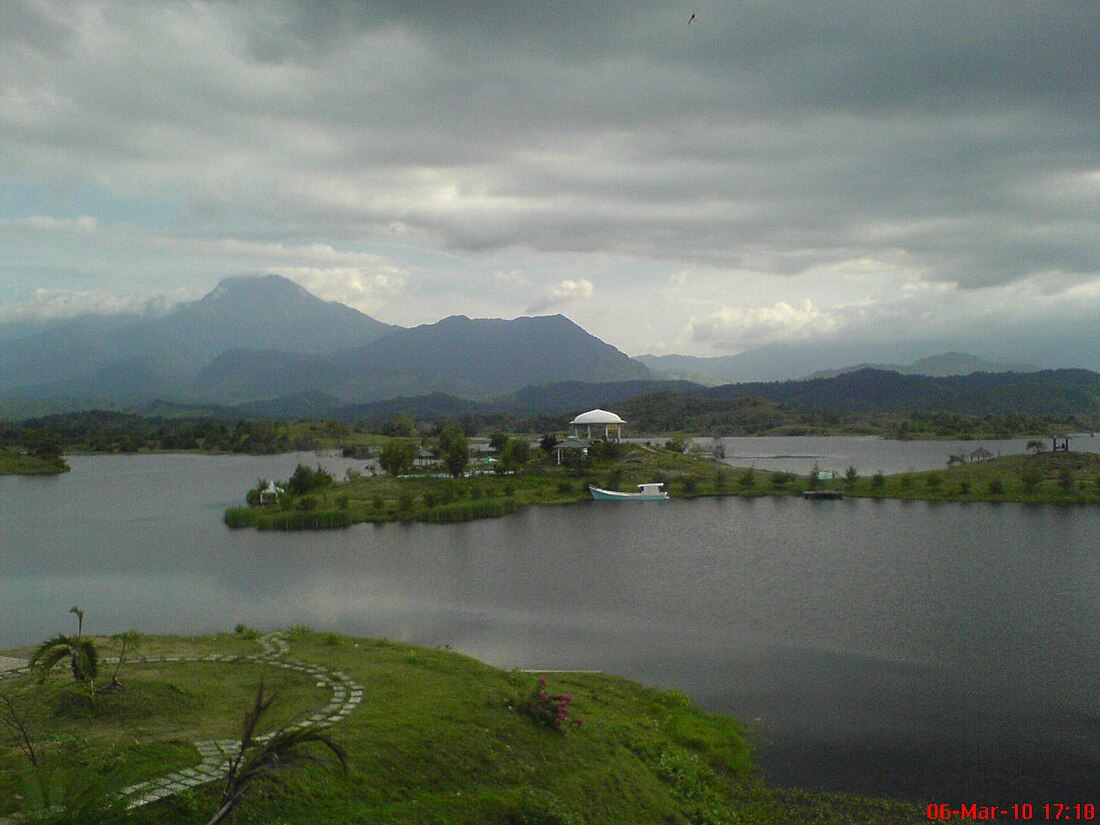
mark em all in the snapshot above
pixel 26 199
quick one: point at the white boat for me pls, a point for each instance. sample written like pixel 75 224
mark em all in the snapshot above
pixel 646 492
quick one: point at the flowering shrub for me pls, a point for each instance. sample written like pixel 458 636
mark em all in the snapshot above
pixel 550 709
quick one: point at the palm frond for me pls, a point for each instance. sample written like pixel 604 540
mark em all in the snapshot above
pixel 87 657
pixel 49 653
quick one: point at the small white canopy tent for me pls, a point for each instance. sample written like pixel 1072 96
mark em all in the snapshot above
pixel 611 423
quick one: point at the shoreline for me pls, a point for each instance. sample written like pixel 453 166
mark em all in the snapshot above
pixel 1062 478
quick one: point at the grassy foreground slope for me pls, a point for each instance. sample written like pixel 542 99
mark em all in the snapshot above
pixel 438 738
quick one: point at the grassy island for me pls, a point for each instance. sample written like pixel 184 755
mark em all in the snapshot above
pixel 1045 477
pixel 15 462
pixel 430 736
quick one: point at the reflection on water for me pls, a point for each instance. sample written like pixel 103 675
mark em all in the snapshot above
pixel 935 651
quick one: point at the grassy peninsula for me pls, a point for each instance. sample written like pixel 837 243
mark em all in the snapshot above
pixel 1044 477
pixel 437 738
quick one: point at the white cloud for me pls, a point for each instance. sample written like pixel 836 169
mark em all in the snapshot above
pixel 737 329
pixel 63 303
pixel 511 279
pixel 366 290
pixel 84 225
pixel 567 291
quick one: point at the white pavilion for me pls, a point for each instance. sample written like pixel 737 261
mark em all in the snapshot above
pixel 611 423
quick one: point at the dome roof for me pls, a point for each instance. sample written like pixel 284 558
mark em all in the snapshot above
pixel 597 417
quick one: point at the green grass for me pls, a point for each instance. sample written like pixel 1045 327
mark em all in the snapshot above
pixel 13 462
pixel 439 738
pixel 1046 478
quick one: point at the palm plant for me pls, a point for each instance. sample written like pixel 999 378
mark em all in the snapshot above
pixel 82 653
pixel 128 642
pixel 262 755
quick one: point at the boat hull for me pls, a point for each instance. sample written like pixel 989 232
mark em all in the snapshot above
pixel 600 494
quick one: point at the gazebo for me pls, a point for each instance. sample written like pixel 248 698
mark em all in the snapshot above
pixel 611 423
pixel 571 443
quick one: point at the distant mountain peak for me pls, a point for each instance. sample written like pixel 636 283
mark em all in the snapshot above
pixel 248 286
pixel 942 365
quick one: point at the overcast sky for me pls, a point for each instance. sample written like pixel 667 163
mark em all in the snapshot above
pixel 769 172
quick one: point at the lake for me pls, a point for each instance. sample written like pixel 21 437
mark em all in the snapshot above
pixel 933 651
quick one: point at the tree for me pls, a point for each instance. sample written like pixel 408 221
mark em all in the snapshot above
pixel 497 442
pixel 15 719
pixel 851 475
pixel 128 643
pixel 397 457
pixel 401 427
pixel 43 444
pixel 454 449
pixel 82 653
pixel 306 480
pixel 1035 446
pixel 548 442
pixel 259 756
pixel 517 452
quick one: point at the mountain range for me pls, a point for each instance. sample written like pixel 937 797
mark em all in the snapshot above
pixel 787 362
pixel 255 338
pixel 263 346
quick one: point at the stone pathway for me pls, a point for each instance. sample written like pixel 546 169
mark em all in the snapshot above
pixel 216 753
pixel 9 663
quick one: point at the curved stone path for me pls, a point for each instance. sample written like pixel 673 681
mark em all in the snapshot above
pixel 216 753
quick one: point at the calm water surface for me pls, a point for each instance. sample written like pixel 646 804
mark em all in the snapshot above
pixel 942 652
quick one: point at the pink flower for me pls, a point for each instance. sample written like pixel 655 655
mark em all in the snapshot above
pixel 543 697
pixel 568 697
pixel 542 681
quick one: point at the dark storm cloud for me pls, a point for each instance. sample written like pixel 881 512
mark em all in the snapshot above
pixel 775 137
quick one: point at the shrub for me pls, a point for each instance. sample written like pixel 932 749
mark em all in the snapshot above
pixel 721 480
pixel 675 444
pixel 304 480
pixel 964 487
pixel 747 479
pixel 1031 480
pixel 933 481
pixel 306 504
pixel 1065 480
pixel 690 485
pixel 878 481
pixel 468 511
pixel 549 709
pixel 781 479
pixel 241 517
pixel 246 632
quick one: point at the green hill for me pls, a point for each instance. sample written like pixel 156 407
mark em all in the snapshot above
pixel 433 737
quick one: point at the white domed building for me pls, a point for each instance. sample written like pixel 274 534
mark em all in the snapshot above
pixel 595 420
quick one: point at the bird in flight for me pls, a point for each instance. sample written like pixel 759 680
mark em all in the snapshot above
pixel 691 18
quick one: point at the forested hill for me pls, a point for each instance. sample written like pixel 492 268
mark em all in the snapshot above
pixel 1060 393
